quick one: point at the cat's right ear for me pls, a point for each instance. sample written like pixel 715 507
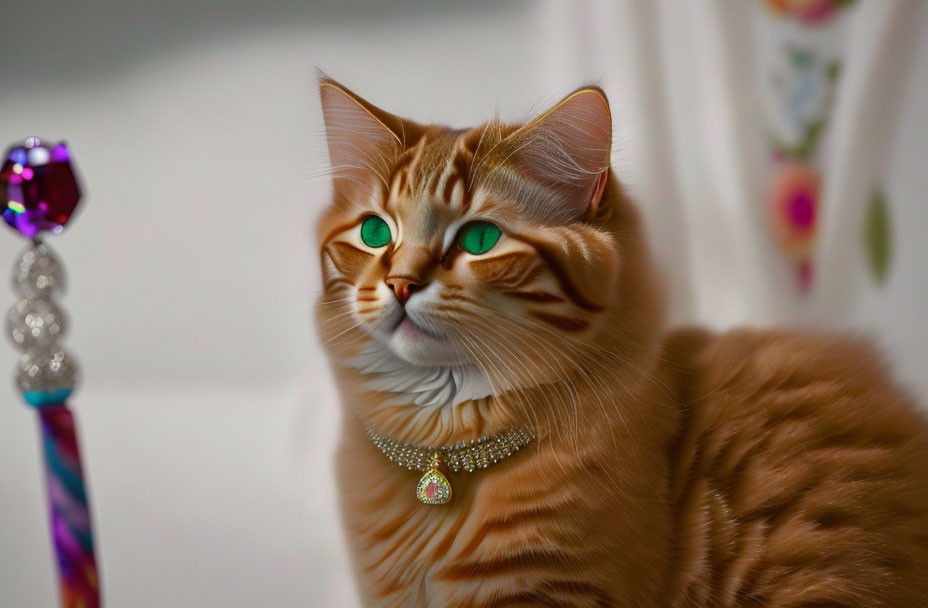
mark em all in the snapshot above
pixel 363 140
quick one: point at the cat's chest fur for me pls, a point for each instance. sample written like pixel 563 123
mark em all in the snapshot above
pixel 510 533
pixel 565 521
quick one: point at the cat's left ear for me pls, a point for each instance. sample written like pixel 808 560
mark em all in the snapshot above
pixel 566 151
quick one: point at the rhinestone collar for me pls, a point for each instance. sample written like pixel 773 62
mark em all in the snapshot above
pixel 469 456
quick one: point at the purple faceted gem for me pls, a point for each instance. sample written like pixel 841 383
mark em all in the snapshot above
pixel 38 187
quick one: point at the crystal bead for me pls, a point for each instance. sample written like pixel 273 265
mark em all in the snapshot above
pixel 46 370
pixel 35 323
pixel 38 273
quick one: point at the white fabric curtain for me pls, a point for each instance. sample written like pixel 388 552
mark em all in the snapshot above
pixel 690 82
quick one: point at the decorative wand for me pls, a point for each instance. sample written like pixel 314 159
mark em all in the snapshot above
pixel 39 192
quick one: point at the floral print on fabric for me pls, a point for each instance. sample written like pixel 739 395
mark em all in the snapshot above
pixel 801 67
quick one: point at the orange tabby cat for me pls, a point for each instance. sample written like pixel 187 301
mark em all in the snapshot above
pixel 495 283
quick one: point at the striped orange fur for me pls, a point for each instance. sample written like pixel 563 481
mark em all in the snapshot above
pixel 672 468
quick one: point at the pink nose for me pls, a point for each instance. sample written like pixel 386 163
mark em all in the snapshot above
pixel 403 286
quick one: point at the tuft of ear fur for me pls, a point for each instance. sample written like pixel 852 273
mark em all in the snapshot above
pixel 557 165
pixel 363 140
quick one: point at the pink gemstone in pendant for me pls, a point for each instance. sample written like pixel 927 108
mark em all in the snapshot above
pixel 38 187
pixel 431 489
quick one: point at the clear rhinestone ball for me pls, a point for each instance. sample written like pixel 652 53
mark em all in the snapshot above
pixel 46 370
pixel 35 323
pixel 38 273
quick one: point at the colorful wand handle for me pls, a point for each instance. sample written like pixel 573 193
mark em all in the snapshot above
pixel 40 191
pixel 69 514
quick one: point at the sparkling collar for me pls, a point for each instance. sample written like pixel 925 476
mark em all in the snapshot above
pixel 470 456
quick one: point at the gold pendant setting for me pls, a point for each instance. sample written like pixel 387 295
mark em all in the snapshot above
pixel 433 488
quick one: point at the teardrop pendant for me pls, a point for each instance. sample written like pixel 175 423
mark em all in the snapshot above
pixel 433 488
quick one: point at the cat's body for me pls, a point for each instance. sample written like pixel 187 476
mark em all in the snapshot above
pixel 798 477
pixel 676 469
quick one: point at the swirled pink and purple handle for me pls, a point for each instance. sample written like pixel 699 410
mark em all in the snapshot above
pixel 71 526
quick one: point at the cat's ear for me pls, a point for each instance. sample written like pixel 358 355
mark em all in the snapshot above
pixel 566 150
pixel 363 140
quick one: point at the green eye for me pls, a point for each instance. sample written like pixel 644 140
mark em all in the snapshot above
pixel 375 232
pixel 478 237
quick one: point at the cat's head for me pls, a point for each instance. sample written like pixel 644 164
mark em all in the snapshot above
pixel 503 247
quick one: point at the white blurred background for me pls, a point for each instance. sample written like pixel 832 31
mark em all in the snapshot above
pixel 207 412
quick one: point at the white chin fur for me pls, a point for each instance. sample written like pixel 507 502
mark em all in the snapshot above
pixel 411 343
pixel 430 386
